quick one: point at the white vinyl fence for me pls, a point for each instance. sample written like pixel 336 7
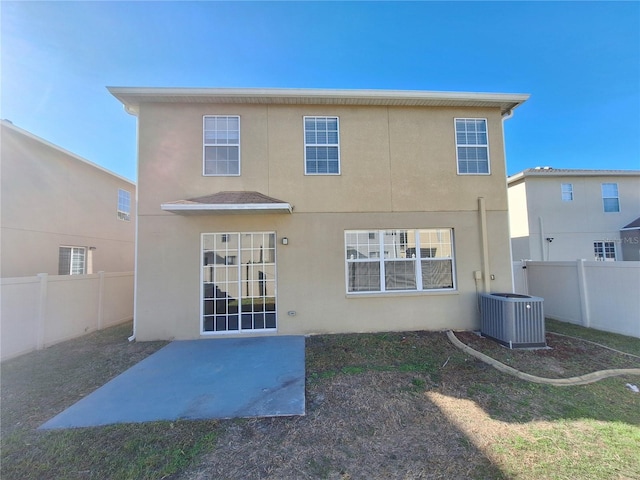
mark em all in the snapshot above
pixel 46 309
pixel 601 295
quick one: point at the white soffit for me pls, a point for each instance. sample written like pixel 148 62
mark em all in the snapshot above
pixel 132 97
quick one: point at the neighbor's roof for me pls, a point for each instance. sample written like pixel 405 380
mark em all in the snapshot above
pixel 10 126
pixel 132 97
pixel 635 225
pixel 229 202
pixel 570 172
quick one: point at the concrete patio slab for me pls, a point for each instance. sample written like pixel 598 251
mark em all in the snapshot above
pixel 200 379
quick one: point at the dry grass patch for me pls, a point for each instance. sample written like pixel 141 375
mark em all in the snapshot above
pixel 39 385
pixel 392 405
pixel 358 426
pixel 412 406
pixel 565 356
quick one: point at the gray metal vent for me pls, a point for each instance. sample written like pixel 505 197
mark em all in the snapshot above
pixel 516 321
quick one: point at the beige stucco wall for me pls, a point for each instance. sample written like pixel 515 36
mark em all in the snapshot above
pixel 398 170
pixel 311 273
pixel 392 159
pixel 575 225
pixel 51 198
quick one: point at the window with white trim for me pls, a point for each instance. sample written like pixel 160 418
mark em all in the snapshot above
pixel 383 261
pixel 221 137
pixel 321 146
pixel 610 199
pixel 71 261
pixel 472 146
pixel 567 192
pixel 604 251
pixel 124 205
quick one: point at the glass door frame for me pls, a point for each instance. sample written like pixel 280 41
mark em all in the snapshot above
pixel 254 307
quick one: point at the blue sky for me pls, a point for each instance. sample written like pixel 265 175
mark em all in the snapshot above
pixel 579 61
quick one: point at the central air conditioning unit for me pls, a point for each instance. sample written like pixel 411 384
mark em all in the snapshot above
pixel 513 320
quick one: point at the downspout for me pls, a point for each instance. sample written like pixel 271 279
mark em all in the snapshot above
pixel 134 112
pixel 135 269
pixel 482 209
pixel 486 279
pixel 506 116
pixel 541 224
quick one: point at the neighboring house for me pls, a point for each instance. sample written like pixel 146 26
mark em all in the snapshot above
pixel 309 211
pixel 630 241
pixel 561 214
pixel 61 214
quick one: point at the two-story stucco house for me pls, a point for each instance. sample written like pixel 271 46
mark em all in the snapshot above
pixel 565 214
pixel 311 211
pixel 61 214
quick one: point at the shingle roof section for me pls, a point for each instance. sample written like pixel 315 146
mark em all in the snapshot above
pixel 244 202
pixel 229 198
pixel 634 224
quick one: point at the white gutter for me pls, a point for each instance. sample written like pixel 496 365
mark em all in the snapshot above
pixel 130 110
pixel 226 207
pixel 568 172
pixel 132 97
pixel 317 93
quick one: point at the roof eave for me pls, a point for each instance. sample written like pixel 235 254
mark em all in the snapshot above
pixel 132 97
pixel 46 143
pixel 571 173
pixel 515 178
pixel 222 208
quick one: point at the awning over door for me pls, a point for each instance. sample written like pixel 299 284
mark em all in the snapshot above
pixel 228 203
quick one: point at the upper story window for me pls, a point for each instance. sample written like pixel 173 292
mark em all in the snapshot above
pixel 472 146
pixel 321 146
pixel 610 200
pixel 221 137
pixel 124 205
pixel 567 192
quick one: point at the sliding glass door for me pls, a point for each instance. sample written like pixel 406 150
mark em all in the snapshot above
pixel 238 282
